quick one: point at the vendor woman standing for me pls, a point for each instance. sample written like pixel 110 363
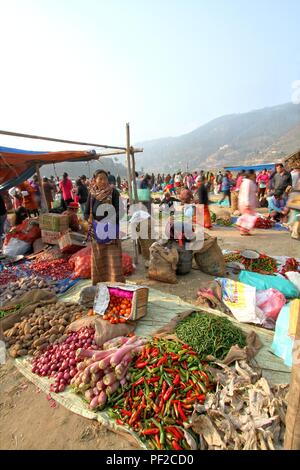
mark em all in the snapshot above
pixel 106 250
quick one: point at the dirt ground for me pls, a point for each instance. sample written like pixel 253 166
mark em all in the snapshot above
pixel 27 419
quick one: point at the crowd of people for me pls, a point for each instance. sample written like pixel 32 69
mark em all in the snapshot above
pixel 244 191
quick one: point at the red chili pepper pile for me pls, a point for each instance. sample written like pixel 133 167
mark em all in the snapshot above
pixel 6 277
pixel 264 223
pixel 57 269
pixel 264 264
pixel 290 265
pixel 167 379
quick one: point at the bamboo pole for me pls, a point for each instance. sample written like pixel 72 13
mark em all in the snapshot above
pixel 292 419
pixel 44 205
pixel 118 152
pixel 135 194
pixel 52 139
pixel 129 172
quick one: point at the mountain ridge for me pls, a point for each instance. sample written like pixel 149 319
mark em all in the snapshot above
pixel 262 134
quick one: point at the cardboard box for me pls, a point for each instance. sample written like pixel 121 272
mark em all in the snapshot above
pixel 70 242
pixel 139 299
pixel 54 222
pixel 51 237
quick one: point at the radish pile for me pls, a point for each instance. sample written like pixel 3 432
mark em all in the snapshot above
pixel 102 372
pixel 59 361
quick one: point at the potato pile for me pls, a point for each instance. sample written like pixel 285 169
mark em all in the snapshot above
pixel 45 326
pixel 25 284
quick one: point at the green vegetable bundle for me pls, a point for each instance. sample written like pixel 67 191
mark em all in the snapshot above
pixel 5 311
pixel 213 217
pixel 210 335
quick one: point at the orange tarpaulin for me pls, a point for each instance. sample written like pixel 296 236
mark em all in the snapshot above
pixel 14 163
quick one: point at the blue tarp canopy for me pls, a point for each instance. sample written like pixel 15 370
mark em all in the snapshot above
pixel 268 166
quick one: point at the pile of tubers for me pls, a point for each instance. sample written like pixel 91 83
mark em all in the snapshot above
pixel 26 284
pixel 44 327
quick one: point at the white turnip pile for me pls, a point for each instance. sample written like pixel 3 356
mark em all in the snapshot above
pixel 103 372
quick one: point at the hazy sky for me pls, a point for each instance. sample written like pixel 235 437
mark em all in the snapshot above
pixel 80 69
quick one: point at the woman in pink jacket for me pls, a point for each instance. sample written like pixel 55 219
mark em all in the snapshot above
pixel 262 181
pixel 247 204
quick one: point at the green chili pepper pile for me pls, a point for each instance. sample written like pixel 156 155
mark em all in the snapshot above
pixel 167 379
pixel 210 335
pixel 5 311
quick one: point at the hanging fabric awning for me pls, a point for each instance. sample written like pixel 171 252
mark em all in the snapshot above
pixel 18 165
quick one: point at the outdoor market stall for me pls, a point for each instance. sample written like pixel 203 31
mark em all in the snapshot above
pixel 162 310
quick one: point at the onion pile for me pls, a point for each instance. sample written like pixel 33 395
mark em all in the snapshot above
pixel 59 361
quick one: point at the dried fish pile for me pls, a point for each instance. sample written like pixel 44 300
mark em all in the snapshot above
pixel 245 412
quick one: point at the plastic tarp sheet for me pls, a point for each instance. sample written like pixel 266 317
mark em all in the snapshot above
pixel 268 166
pixel 18 165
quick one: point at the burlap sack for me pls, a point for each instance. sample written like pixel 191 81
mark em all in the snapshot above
pixel 30 301
pixel 210 259
pixel 234 201
pixel 163 263
pixel 145 244
pixel 106 331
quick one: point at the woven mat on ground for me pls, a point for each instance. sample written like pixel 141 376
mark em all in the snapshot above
pixel 162 308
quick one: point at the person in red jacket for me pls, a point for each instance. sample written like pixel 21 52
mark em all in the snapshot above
pixel 66 188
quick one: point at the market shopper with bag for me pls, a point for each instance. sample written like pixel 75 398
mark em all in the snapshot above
pixel 104 230
pixel 247 204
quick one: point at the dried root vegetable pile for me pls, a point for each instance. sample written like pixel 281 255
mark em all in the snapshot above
pixel 45 326
pixel 245 413
pixel 210 335
pixel 23 285
pixel 167 380
pixel 50 255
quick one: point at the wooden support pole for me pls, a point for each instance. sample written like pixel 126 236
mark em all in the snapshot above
pixel 44 205
pixel 129 171
pixel 292 419
pixel 130 186
pixel 135 194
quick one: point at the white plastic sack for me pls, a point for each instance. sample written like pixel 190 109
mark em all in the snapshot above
pixel 241 301
pixel 294 278
pixel 16 247
pixel 139 217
